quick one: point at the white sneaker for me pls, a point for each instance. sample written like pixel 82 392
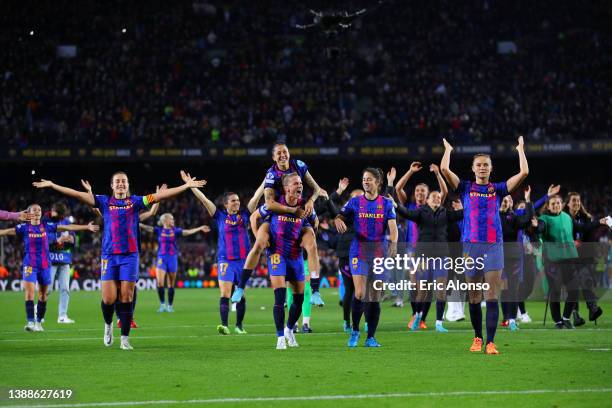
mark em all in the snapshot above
pixel 108 334
pixel 281 343
pixel 38 327
pixel 65 320
pixel 525 318
pixel 125 343
pixel 290 336
pixel 29 327
pixel 234 306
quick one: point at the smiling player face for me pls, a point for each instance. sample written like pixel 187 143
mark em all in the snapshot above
pixel 507 203
pixel 369 183
pixel 120 185
pixel 482 167
pixel 281 156
pixel 420 193
pixel 36 213
pixel 555 205
pixel 232 205
pixel 574 203
pixel 434 200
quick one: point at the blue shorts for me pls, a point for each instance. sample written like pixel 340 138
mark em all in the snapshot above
pixel 368 267
pixel 488 257
pixel 291 269
pixel 120 267
pixel 168 263
pixel 40 275
pixel 230 271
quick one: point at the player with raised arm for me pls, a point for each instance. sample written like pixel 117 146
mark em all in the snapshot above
pixel 166 263
pixel 372 215
pixel 432 220
pixel 36 260
pixel 233 247
pixel 120 244
pixel 283 165
pixel 143 216
pixel 482 234
pixel 420 194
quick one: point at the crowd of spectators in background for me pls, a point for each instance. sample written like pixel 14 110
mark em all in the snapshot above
pixel 239 73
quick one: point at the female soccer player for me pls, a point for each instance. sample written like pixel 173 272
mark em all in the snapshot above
pixel 421 306
pixel 233 247
pixel 371 214
pixel 557 229
pixel 120 249
pixel 285 259
pixel 482 234
pixel 36 260
pixel 513 254
pixel 167 256
pixel 527 237
pixel 585 264
pixel 61 245
pixel 432 220
pixel 141 217
pixel 283 165
pixel 420 194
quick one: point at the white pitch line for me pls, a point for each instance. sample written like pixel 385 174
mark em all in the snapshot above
pixel 598 349
pixel 318 398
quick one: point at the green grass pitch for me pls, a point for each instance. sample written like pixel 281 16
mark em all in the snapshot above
pixel 180 359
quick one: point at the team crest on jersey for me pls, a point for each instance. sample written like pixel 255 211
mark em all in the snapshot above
pixel 379 207
pixel 491 189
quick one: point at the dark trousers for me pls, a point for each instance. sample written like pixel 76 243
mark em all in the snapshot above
pixel 559 275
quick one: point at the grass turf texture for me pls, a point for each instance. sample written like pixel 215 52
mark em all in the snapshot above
pixel 179 356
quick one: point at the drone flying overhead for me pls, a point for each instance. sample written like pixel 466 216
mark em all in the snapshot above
pixel 332 23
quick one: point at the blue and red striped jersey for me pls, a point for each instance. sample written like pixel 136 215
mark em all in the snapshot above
pixel 274 176
pixel 481 202
pixel 120 223
pixel 370 219
pixel 166 240
pixel 412 229
pixel 233 243
pixel 36 243
pixel 286 230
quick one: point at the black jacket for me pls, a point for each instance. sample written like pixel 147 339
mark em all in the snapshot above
pixel 511 224
pixel 433 227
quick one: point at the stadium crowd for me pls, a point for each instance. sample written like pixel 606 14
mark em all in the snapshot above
pixel 239 73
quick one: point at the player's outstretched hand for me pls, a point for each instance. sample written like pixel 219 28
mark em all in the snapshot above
pixel 415 166
pixel 25 216
pixel 391 174
pixel 534 222
pixel 161 188
pixel 434 169
pixel 521 143
pixel 340 225
pixel 447 146
pixel 43 183
pixel 93 227
pixel 192 182
pixel 308 208
pixel 528 193
pixel 553 190
pixel 323 193
pixel 342 185
pixel 86 185
pixel 205 229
